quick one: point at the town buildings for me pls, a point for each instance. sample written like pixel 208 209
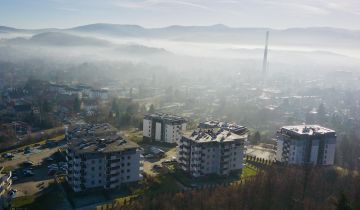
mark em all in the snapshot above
pixel 306 144
pixel 99 158
pixel 163 127
pixel 212 151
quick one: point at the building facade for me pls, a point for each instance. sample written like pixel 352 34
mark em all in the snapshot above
pixel 306 144
pixel 102 162
pixel 163 127
pixel 211 151
pixel 5 187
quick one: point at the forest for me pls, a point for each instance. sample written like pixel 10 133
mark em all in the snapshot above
pixel 279 188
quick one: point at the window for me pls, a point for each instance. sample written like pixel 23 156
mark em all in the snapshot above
pixel 99 181
pixel 93 168
pixel 129 157
pixel 100 174
pixel 127 177
pixel 128 170
pixel 92 161
pixel 92 182
pixel 100 167
pixel 100 160
pixel 128 164
pixel 122 171
pixel 122 158
pixel 122 164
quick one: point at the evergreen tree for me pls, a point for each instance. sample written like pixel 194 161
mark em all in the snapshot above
pixel 343 203
pixel 152 108
pixel 77 104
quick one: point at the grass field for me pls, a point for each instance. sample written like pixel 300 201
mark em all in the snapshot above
pixel 133 135
pixel 248 172
pixel 51 198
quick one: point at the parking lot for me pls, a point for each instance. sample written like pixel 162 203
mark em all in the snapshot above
pixel 260 151
pixel 149 163
pixel 29 166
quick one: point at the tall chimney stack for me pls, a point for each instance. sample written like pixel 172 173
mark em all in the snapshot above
pixel 265 62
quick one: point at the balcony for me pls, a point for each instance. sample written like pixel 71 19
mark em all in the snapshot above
pixel 114 180
pixel 114 165
pixel 113 157
pixel 115 168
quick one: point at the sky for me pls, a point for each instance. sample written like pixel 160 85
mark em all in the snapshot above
pixel 158 13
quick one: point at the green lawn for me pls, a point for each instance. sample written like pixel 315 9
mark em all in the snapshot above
pixel 163 183
pixel 49 200
pixel 22 201
pixel 214 179
pixel 134 135
pixel 248 172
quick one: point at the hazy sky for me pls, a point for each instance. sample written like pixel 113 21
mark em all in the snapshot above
pixel 155 13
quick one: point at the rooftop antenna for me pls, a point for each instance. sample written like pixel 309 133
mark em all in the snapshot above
pixel 265 61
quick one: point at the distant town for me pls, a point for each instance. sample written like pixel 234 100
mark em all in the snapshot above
pixel 89 123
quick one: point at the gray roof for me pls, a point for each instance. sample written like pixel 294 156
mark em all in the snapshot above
pixel 93 129
pixel 215 135
pixel 106 144
pixel 238 129
pixel 308 130
pixel 166 117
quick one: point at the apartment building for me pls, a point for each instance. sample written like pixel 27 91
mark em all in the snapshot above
pixel 163 127
pixel 5 189
pixel 102 162
pixel 306 144
pixel 212 151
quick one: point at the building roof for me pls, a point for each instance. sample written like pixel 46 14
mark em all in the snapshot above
pixel 105 144
pixel 215 135
pixel 92 129
pixel 166 117
pixel 238 129
pixel 308 130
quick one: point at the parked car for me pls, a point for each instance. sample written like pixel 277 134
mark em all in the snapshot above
pixel 28 163
pixel 156 167
pixel 12 193
pixel 53 167
pixel 28 173
pixel 8 155
pixel 49 159
pixel 149 156
pixel 52 172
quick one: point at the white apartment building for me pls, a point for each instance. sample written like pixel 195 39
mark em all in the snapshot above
pixel 102 162
pixel 306 144
pixel 212 151
pixel 5 187
pixel 163 127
